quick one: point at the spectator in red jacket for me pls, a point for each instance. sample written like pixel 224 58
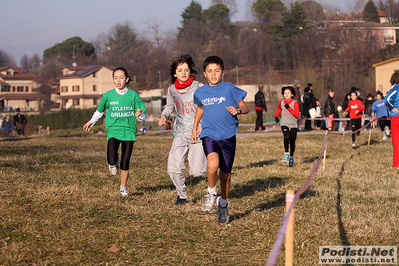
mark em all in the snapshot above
pixel 355 108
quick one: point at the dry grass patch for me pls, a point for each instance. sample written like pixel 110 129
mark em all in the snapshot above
pixel 59 205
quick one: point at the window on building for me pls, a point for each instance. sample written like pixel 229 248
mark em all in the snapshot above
pixel 13 88
pixel 94 87
pixel 66 72
pixel 388 34
pixel 64 102
pixel 94 74
pixel 20 88
pixel 5 88
pixel 95 102
pixel 75 102
pixel 75 88
pixel 8 73
pixel 26 89
pixel 64 88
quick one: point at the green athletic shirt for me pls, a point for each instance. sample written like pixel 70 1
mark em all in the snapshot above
pixel 121 119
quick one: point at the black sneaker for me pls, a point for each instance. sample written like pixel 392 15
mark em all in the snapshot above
pixel 180 201
pixel 223 214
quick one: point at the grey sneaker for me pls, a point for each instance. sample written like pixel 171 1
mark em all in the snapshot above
pixel 113 170
pixel 387 131
pixel 223 214
pixel 124 193
pixel 209 203
pixel 286 157
pixel 291 161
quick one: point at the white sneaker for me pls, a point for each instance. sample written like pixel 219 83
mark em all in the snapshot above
pixel 384 137
pixel 387 131
pixel 124 193
pixel 286 157
pixel 353 145
pixel 113 170
pixel 209 203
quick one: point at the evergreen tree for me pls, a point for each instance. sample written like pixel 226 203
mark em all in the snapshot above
pixel 370 12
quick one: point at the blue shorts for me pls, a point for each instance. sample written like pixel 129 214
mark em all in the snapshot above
pixel 226 149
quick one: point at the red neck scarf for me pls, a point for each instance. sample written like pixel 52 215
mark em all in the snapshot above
pixel 185 84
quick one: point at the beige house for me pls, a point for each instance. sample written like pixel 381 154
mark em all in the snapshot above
pixel 83 86
pixel 18 88
pixel 383 73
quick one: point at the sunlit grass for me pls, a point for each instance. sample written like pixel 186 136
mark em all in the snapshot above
pixel 60 206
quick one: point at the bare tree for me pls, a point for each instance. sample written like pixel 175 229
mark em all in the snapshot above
pixel 24 62
pixel 154 26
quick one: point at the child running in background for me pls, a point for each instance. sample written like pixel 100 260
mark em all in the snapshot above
pixel 219 103
pixel 289 109
pixel 180 98
pixel 124 106
pixel 379 110
pixel 355 108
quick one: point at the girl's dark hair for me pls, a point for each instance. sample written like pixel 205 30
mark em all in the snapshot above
pixel 177 61
pixel 379 93
pixel 394 79
pixel 288 88
pixel 124 71
pixel 213 59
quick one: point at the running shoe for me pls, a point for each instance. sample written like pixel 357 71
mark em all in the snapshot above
pixel 353 145
pixel 180 201
pixel 124 193
pixel 291 161
pixel 223 214
pixel 387 131
pixel 286 157
pixel 209 203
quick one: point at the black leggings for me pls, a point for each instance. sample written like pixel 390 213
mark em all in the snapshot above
pixel 112 152
pixel 289 138
pixel 384 122
pixel 356 124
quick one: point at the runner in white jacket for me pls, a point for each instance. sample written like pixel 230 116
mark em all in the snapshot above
pixel 180 100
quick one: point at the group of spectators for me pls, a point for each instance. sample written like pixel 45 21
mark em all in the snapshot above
pixel 17 124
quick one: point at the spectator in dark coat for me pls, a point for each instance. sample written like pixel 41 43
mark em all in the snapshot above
pixel 307 105
pixel 20 122
pixel 329 109
pixel 260 106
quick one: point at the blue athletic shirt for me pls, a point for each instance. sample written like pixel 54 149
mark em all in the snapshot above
pixel 379 108
pixel 217 122
pixel 393 99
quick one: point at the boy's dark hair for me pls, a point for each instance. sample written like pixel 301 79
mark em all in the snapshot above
pixel 213 59
pixel 394 78
pixel 177 61
pixel 288 88
pixel 369 95
pixel 354 89
pixel 310 85
pixel 124 71
pixel 307 89
pixel 379 93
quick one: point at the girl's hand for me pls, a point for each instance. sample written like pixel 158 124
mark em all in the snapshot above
pixel 138 112
pixel 357 111
pixel 88 126
pixel 194 136
pixel 395 110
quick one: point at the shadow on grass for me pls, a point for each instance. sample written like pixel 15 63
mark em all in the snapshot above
pixel 342 232
pixel 312 159
pixel 14 138
pixel 257 164
pixel 255 185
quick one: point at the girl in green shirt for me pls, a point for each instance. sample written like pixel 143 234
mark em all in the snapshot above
pixel 123 107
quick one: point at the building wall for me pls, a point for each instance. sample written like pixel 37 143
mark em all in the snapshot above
pixel 383 75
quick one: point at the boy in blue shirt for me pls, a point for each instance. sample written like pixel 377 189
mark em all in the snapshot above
pixel 379 111
pixel 219 103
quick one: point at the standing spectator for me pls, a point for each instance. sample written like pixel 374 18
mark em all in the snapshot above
pixel 393 106
pixel 7 126
pixel 380 112
pixel 297 96
pixel 180 99
pixel 124 106
pixel 355 110
pixel 367 105
pixel 20 122
pixel 345 104
pixel 319 114
pixel 307 105
pixel 311 94
pixel 329 109
pixel 289 109
pixel 260 106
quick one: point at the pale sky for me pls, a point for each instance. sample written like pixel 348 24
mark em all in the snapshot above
pixel 31 26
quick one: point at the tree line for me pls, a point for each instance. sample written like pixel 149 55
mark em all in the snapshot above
pixel 279 43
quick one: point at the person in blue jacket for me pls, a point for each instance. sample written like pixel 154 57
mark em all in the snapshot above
pixel 393 107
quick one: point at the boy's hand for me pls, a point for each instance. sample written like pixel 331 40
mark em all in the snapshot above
pixel 162 120
pixel 87 126
pixel 276 119
pixel 232 110
pixel 194 136
pixel 138 112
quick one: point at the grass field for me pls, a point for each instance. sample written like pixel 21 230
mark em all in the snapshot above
pixel 60 206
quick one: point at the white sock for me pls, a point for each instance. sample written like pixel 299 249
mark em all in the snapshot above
pixel 122 188
pixel 222 202
pixel 212 191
